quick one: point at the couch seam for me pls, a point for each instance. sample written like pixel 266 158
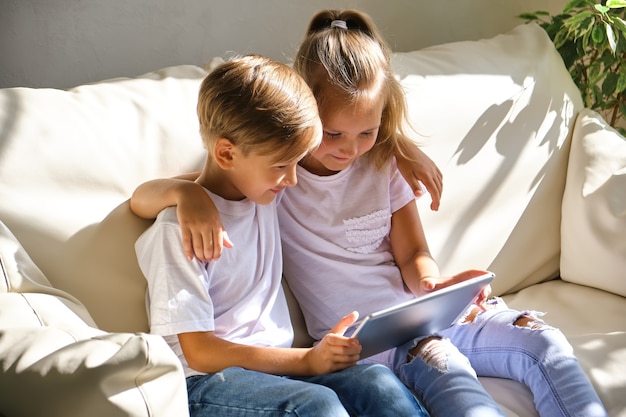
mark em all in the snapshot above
pixel 5 274
pixel 41 321
pixel 139 378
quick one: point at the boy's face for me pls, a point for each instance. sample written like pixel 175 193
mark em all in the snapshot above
pixel 349 132
pixel 260 177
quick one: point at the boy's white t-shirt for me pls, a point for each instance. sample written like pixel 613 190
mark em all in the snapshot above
pixel 239 296
pixel 336 248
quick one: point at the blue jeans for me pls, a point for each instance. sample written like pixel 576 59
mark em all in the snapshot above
pixel 539 356
pixel 361 390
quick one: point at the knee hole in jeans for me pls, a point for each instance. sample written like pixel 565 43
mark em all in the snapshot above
pixel 529 322
pixel 433 351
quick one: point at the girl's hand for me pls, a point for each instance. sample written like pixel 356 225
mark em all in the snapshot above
pixel 419 167
pixel 202 231
pixel 430 284
pixel 335 351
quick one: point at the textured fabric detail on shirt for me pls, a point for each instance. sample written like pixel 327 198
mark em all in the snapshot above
pixel 367 232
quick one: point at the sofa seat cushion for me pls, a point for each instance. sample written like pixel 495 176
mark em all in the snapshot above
pixel 55 362
pixel 593 321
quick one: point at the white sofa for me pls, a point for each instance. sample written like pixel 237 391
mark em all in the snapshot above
pixel 535 190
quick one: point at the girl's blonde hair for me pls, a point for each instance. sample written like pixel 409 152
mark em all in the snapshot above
pixel 344 50
pixel 261 106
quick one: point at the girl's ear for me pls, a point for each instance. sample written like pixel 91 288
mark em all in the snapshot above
pixel 223 153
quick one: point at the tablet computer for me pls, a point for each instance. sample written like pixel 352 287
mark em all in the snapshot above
pixel 422 316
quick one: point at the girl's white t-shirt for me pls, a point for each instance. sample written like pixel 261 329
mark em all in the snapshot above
pixel 336 248
pixel 239 296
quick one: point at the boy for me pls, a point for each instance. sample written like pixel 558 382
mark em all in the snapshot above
pixel 228 320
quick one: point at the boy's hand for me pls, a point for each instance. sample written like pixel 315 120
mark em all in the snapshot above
pixel 202 231
pixel 335 351
pixel 419 167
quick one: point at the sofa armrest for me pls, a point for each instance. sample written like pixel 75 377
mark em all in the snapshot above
pixel 56 363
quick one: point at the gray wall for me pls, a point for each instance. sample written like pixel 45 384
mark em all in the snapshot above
pixel 62 43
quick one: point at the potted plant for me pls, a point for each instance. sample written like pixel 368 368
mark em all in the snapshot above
pixel 591 38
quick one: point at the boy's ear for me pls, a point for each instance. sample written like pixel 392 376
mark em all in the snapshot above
pixel 223 153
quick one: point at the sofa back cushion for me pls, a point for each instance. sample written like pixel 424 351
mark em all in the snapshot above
pixel 496 116
pixel 69 161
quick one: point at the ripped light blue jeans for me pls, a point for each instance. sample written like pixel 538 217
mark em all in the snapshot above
pixel 494 344
pixel 361 390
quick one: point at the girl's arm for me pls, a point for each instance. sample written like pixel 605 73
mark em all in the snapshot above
pixel 208 353
pixel 410 249
pixel 416 166
pixel 153 196
pixel 202 231
pixel 412 255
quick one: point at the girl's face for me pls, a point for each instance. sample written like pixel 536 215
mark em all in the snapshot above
pixel 350 130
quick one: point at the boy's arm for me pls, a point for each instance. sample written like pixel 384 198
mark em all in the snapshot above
pixel 202 231
pixel 208 353
pixel 416 166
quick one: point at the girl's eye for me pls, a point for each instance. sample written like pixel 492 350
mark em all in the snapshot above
pixel 332 135
pixel 367 134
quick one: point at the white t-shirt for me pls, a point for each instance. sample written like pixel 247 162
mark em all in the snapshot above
pixel 239 296
pixel 336 249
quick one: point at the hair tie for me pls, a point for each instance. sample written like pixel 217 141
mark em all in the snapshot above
pixel 341 24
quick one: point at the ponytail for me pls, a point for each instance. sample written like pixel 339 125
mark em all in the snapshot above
pixel 344 50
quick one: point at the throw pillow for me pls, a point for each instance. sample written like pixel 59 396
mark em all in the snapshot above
pixel 593 231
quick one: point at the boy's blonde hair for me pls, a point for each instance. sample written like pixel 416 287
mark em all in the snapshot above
pixel 261 106
pixel 351 57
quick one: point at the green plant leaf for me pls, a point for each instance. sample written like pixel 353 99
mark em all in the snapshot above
pixel 578 19
pixel 579 25
pixel 594 72
pixel 561 38
pixel 533 15
pixel 597 35
pixel 610 84
pixel 616 4
pixel 568 53
pixel 621 83
pixel 611 37
pixel 528 16
pixel 602 9
pixel 574 4
pixel 620 24
pixel 598 102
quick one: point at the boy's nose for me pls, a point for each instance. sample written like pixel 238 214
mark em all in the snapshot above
pixel 291 178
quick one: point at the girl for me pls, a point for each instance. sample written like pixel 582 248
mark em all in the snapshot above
pixel 353 240
pixel 228 320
